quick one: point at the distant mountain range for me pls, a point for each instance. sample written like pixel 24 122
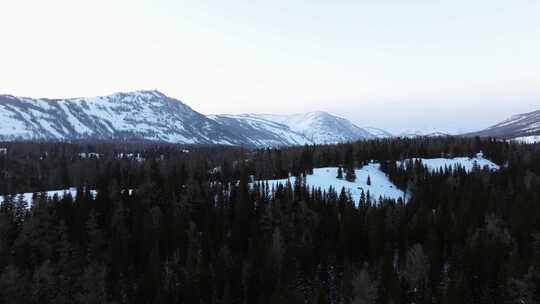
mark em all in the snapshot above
pixel 152 116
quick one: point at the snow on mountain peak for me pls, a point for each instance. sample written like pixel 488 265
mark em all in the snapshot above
pixel 319 127
pixel 138 115
pixel 132 95
pixel 151 115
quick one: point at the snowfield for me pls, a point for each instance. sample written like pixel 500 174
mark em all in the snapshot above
pixel 325 178
pixel 467 163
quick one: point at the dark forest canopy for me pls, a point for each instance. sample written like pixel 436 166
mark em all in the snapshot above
pixel 194 230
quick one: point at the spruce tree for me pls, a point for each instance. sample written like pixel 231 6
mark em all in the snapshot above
pixel 350 175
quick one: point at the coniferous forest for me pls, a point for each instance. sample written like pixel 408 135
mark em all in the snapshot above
pixel 187 224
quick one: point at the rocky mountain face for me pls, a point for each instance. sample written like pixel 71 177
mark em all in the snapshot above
pixel 152 116
pixel 521 126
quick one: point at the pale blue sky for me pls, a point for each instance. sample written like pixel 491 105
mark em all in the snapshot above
pixel 393 64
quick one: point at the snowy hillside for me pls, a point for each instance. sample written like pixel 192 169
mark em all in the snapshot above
pixel 428 132
pixel 261 132
pixel 325 178
pixel 378 133
pixel 318 127
pixel 518 126
pixel 434 164
pixel 152 116
pixel 139 115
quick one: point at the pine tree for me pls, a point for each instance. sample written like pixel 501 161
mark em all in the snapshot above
pixel 362 201
pixel 350 175
pixel 212 239
pixel 340 173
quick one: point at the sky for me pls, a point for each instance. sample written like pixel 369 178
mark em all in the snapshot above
pixel 394 64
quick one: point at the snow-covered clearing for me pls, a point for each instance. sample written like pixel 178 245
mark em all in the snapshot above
pixel 29 197
pixel 325 178
pixel 467 163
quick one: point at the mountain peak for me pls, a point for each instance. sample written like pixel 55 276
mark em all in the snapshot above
pixel 146 115
pixel 141 93
pixel 316 127
pixel 318 113
pixel 150 115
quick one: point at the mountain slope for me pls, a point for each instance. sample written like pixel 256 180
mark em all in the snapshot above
pixel 140 115
pixel 420 133
pixel 152 116
pixel 260 132
pixel 378 133
pixel 317 127
pixel 521 125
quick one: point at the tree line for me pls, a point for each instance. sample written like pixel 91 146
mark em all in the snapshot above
pixel 196 229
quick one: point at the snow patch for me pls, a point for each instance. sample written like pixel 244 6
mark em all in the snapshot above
pixel 527 139
pixel 467 163
pixel 60 194
pixel 29 196
pixel 325 178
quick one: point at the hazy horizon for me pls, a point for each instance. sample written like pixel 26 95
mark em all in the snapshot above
pixel 446 65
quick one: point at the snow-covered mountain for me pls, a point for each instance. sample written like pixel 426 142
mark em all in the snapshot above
pixel 421 133
pixel 261 132
pixel 378 133
pixel 521 126
pixel 152 116
pixel 140 115
pixel 315 127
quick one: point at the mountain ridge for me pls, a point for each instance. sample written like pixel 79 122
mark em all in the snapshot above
pixel 519 126
pixel 316 127
pixel 151 115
